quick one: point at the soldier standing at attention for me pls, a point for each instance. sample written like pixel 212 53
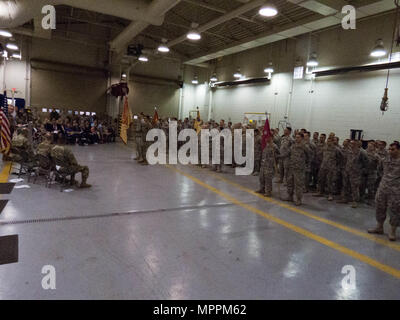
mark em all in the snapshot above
pixel 298 159
pixel 319 153
pixel 371 173
pixel 311 147
pixel 269 160
pixel 64 158
pixel 328 172
pixel 388 195
pixel 257 152
pixel 356 163
pixel 382 153
pixel 286 143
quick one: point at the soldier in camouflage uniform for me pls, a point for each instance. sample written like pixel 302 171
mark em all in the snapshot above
pixel 319 154
pixel 312 149
pixel 388 195
pixel 257 152
pixel 286 143
pixel 19 145
pixel 356 163
pixel 269 160
pixel 64 158
pixel 298 160
pixel 44 148
pixel 382 153
pixel 328 171
pixel 370 175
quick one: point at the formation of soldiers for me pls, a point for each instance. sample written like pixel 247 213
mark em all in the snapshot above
pixel 59 156
pixel 347 171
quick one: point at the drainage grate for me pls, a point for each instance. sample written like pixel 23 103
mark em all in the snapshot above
pixel 120 214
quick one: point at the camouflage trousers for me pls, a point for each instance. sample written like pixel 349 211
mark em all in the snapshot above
pixel 295 182
pixel 351 186
pixel 307 179
pixel 369 183
pixel 73 170
pixel 327 180
pixel 284 169
pixel 266 177
pixel 388 199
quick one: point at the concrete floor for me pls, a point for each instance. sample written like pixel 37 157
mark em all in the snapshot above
pixel 155 233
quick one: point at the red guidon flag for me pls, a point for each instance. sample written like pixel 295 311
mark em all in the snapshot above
pixel 155 118
pixel 266 133
pixel 125 121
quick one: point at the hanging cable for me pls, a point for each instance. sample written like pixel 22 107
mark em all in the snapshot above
pixel 384 104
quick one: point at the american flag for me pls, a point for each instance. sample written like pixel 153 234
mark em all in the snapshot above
pixel 5 126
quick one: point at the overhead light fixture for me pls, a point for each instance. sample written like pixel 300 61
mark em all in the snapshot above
pixel 214 78
pixel 163 47
pixel 269 69
pixel 268 10
pixel 312 61
pixel 5 34
pixel 195 80
pixel 123 75
pixel 194 34
pixel 238 74
pixel 12 46
pixel 17 56
pixel 379 50
pixel 143 59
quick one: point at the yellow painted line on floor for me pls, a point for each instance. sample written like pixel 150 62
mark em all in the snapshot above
pixel 354 254
pixel 362 234
pixel 5 172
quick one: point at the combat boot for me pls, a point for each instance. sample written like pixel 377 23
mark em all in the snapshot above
pixel 84 185
pixel 392 233
pixel 298 202
pixel 377 230
pixel 267 194
pixel 261 191
pixel 354 205
pixel 330 198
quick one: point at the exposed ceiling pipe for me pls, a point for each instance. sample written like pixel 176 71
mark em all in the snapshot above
pixel 17 12
pixel 158 8
pixel 226 17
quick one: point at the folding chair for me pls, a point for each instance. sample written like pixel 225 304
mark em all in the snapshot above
pixel 46 168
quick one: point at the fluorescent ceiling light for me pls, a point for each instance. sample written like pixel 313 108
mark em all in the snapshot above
pixel 214 78
pixel 238 74
pixel 269 69
pixel 17 56
pixel 194 35
pixel 143 59
pixel 268 11
pixel 5 34
pixel 12 46
pixel 379 50
pixel 312 61
pixel 163 48
pixel 195 80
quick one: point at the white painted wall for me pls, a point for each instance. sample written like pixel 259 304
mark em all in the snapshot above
pixel 336 103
